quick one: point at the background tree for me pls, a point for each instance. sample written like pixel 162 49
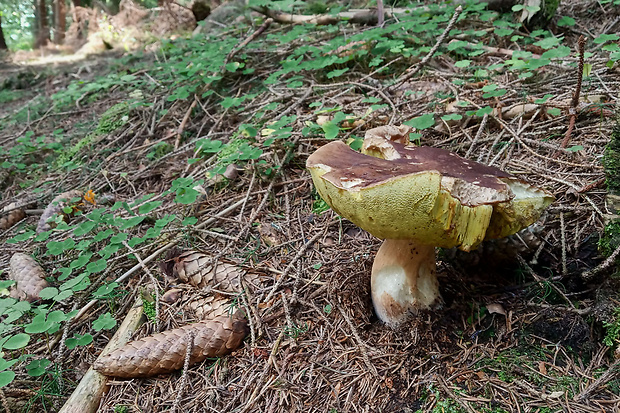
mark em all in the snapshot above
pixel 3 45
pixel 42 29
pixel 60 21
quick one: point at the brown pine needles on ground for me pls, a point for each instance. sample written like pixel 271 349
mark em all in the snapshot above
pixel 504 338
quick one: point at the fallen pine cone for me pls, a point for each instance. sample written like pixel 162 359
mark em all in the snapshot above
pixel 210 307
pixel 13 217
pixel 56 207
pixel 29 275
pixel 165 352
pixel 198 269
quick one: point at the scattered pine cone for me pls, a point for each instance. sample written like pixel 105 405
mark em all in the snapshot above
pixel 56 207
pixel 12 217
pixel 165 352
pixel 200 270
pixel 29 275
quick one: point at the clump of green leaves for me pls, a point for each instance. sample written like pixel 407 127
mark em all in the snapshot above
pixel 610 240
pixel 612 336
pixel 148 305
pixel 113 118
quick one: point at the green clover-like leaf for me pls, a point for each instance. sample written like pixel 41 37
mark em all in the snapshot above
pixel 104 322
pixel 422 122
pixel 18 341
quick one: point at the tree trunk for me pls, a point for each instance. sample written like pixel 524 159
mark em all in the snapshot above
pixel 42 28
pixel 77 3
pixel 2 41
pixel 60 17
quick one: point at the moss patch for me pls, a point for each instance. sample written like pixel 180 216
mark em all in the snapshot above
pixel 611 160
pixel 113 118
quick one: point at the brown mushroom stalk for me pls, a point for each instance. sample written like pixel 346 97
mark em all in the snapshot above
pixel 418 198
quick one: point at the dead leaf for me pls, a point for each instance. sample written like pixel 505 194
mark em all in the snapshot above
pixel 542 368
pixel 496 308
pixel 89 197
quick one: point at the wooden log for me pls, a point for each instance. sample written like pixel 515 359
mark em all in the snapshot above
pixel 87 395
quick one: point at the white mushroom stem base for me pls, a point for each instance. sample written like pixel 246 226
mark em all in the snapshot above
pixel 403 279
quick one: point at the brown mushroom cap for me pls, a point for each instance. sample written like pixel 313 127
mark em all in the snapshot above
pixel 426 194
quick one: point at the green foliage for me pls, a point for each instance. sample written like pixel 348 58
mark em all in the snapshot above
pixel 148 304
pixel 612 336
pixel 104 322
pixel 7 95
pixel 113 118
pixel 294 331
pixel 17 22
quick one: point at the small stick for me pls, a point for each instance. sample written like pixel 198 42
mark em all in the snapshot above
pixel 183 384
pixel 602 266
pixel 453 395
pixel 563 240
pixel 605 377
pixel 572 111
pixel 361 345
pixel 153 280
pixel 483 124
pixel 411 72
pixel 244 43
pixel 184 122
pixel 291 265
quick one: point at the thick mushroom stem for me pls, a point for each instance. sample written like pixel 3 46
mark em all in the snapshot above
pixel 403 279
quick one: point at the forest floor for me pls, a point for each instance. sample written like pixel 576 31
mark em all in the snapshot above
pixel 531 324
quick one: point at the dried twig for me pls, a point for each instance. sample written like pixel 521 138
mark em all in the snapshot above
pixel 184 122
pixel 245 42
pixel 588 275
pixel 606 377
pixel 572 111
pixel 151 277
pixel 183 383
pixel 412 71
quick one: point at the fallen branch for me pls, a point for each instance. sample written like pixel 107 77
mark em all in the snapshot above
pixel 380 13
pixel 358 16
pixel 86 396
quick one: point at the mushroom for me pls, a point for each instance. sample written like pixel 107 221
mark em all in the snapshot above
pixel 416 199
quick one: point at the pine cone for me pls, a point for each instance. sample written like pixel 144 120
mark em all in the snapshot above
pixel 165 352
pixel 199 270
pixel 56 207
pixel 29 275
pixel 13 217
pixel 210 307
